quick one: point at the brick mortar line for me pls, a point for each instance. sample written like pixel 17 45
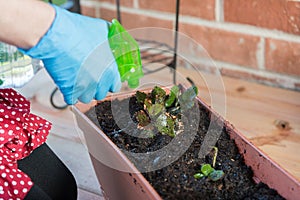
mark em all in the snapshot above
pixel 87 3
pixel 260 54
pixel 136 4
pixel 98 12
pixel 220 64
pixel 226 26
pixel 243 29
pixel 284 80
pixel 219 10
pixel 93 5
pixel 263 73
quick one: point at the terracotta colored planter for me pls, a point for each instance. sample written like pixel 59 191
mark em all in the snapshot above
pixel 124 185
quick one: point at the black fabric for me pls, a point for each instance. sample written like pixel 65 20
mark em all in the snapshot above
pixel 36 193
pixel 52 179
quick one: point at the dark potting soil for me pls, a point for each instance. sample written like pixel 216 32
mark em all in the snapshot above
pixel 176 180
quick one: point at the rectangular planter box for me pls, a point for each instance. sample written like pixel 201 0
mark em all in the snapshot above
pixel 123 185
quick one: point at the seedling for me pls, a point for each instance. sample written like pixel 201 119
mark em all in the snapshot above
pixel 208 171
pixel 164 110
pixel 215 156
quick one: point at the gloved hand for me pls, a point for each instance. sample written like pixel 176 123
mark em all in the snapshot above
pixel 77 55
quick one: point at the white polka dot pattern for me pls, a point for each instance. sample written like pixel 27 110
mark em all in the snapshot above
pixel 20 133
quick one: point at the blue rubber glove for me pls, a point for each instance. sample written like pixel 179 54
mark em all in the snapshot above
pixel 76 54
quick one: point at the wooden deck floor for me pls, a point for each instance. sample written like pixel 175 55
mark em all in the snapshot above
pixel 269 117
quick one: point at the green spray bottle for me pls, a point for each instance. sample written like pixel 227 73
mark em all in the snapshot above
pixel 127 54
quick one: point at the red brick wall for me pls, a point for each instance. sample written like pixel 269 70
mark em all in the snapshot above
pixel 257 40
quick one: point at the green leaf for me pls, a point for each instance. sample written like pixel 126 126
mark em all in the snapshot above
pixel 140 96
pixel 186 99
pixel 147 103
pixel 216 175
pixel 161 122
pixel 158 95
pixel 142 118
pixel 172 96
pixel 198 175
pixel 206 169
pixel 155 109
pixel 1 81
pixel 170 126
pixel 165 125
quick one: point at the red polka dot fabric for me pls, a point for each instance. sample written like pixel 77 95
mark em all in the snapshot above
pixel 20 133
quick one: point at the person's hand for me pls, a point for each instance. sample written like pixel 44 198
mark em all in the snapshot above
pixel 76 54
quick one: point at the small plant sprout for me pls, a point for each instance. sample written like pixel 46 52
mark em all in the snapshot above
pixel 216 175
pixel 198 175
pixel 208 171
pixel 215 156
pixel 163 110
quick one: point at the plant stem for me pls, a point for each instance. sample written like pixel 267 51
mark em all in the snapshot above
pixel 215 156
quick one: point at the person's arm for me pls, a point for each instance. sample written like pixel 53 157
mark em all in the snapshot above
pixel 23 23
pixel 74 48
